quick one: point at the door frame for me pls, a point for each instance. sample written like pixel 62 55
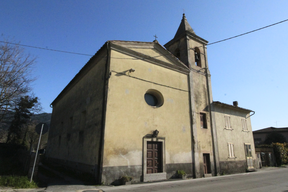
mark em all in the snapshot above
pixel 208 163
pixel 155 160
pixel 153 176
pixel 249 159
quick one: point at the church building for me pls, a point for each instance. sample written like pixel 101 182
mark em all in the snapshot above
pixel 145 110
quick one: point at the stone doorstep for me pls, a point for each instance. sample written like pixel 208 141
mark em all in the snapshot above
pixel 251 169
pixel 154 177
pixel 208 175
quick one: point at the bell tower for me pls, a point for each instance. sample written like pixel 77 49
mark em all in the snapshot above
pixel 187 46
pixel 191 50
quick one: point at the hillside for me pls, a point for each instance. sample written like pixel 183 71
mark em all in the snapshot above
pixel 35 119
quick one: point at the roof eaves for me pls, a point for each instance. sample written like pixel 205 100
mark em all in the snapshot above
pixel 126 50
pixel 271 129
pixel 230 106
pixel 78 75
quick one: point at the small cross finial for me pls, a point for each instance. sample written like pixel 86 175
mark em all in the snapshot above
pixel 155 37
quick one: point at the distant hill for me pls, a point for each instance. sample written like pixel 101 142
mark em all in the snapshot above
pixel 37 118
pixel 42 118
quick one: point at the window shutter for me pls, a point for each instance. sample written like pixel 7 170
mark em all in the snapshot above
pixel 231 150
pixel 232 146
pixel 227 122
pixel 202 120
pixel 244 125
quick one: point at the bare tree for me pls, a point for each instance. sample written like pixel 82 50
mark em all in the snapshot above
pixel 15 75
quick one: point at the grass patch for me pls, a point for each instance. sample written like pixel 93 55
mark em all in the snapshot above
pixel 17 182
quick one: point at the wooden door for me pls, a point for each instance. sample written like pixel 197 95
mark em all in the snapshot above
pixel 206 163
pixel 249 158
pixel 154 157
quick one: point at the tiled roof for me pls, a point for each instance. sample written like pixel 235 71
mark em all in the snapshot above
pixel 271 129
pixel 230 106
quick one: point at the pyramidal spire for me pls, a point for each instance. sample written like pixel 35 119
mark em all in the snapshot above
pixel 184 27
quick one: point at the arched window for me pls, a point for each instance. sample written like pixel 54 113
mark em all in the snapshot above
pixel 197 57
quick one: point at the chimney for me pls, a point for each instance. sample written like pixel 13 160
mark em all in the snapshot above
pixel 235 103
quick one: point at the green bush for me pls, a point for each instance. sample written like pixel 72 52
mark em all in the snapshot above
pixel 281 153
pixel 180 172
pixel 126 178
pixel 17 182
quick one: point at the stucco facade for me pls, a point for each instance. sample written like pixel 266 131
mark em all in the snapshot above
pixel 142 110
pixel 235 139
pixel 129 119
pixel 74 137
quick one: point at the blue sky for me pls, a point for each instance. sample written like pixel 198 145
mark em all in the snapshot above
pixel 251 69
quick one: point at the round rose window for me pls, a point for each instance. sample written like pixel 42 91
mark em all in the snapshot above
pixel 154 98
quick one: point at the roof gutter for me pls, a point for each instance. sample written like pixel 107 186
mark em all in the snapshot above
pixel 253 113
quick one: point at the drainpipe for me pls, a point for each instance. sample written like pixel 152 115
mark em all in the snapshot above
pixel 210 113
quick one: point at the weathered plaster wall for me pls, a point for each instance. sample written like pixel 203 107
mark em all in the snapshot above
pixel 129 118
pixel 236 135
pixel 201 102
pixel 76 119
pixel 232 167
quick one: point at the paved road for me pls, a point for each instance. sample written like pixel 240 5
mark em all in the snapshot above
pixel 275 180
pixel 265 180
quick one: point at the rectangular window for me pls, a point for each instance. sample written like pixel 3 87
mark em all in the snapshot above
pixel 83 120
pixel 227 122
pixel 81 137
pixel 62 126
pixel 71 122
pixel 248 150
pixel 203 120
pixel 68 137
pixel 231 150
pixel 244 125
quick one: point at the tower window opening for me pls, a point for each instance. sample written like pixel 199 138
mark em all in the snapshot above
pixel 197 57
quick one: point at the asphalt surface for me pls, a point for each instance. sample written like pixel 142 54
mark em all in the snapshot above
pixel 265 179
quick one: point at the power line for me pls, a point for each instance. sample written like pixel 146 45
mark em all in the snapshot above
pixel 248 32
pixel 84 54
pixel 35 47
